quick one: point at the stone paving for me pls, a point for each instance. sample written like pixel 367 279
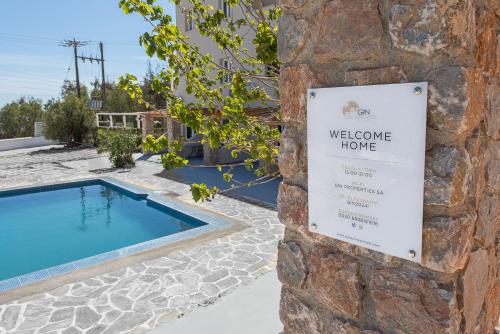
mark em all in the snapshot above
pixel 137 298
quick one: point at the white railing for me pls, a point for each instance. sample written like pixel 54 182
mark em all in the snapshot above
pixel 38 129
pixel 118 120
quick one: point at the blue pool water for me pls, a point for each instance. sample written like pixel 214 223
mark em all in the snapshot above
pixel 43 229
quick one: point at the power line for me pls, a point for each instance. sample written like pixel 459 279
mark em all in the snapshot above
pixel 45 89
pixel 75 44
pixel 26 36
pixel 26 76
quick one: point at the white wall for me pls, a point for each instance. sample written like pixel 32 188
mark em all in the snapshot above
pixel 206 45
pixel 26 142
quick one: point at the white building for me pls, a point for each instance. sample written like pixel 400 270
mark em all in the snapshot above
pixel 207 46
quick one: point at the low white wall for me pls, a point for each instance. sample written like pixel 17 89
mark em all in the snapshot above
pixel 26 142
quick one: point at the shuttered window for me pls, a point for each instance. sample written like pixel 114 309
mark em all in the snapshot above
pixel 188 21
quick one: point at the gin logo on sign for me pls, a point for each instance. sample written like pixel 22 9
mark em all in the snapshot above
pixel 352 110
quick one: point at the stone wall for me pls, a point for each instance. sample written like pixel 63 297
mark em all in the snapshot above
pixel 333 287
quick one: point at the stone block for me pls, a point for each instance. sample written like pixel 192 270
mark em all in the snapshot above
pixel 291 267
pixel 456 103
pixel 475 283
pixel 348 30
pixel 492 299
pixel 293 207
pixel 492 116
pixel 447 242
pixel 297 317
pixel 292 37
pixel 294 83
pixel 430 26
pixel 407 302
pixel 488 223
pixel 293 4
pixel 10 317
pixel 292 157
pixel 492 165
pixel 335 281
pixel 62 314
pixel 486 55
pixel 375 76
pixel 86 317
pixel 448 176
pixel 344 327
pixel 498 48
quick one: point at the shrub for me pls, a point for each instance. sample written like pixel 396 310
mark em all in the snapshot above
pixel 17 119
pixel 121 144
pixel 68 120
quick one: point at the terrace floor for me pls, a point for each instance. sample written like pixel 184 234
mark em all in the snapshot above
pixel 139 297
pixel 265 193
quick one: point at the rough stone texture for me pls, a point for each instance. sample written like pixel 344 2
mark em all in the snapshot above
pixel 292 206
pixel 348 30
pixel 136 298
pixel 297 317
pixel 292 155
pixel 343 292
pixel 456 103
pixel 488 224
pixel 493 110
pixel 447 242
pixel 294 83
pixel 411 303
pixel 416 27
pixel 492 164
pixel 447 176
pixel 293 3
pixel 291 41
pixel 295 271
pixel 475 287
pixel 300 318
pixel 431 26
pixel 454 45
pixel 375 76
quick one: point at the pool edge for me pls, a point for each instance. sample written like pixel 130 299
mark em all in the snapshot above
pixel 216 225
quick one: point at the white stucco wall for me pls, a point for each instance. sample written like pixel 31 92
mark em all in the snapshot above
pixel 206 45
pixel 26 142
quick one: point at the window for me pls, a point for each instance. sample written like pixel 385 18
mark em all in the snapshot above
pixel 189 20
pixel 225 8
pixel 272 71
pixel 227 75
pixel 187 132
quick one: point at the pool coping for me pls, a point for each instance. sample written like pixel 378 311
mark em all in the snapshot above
pixel 214 223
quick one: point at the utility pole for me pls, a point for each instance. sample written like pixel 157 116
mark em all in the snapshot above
pixel 76 70
pixel 103 88
pixel 99 61
pixel 75 44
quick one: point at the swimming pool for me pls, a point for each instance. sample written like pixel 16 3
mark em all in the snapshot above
pixel 50 230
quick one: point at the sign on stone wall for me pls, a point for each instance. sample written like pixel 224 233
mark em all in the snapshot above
pixel 366 151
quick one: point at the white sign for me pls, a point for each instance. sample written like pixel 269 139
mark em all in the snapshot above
pixel 366 151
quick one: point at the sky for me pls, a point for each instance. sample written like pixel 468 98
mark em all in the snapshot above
pixel 33 64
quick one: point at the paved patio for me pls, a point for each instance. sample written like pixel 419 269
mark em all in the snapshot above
pixel 137 298
pixel 266 193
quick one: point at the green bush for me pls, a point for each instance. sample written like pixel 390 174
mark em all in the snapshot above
pixel 121 144
pixel 17 119
pixel 68 120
